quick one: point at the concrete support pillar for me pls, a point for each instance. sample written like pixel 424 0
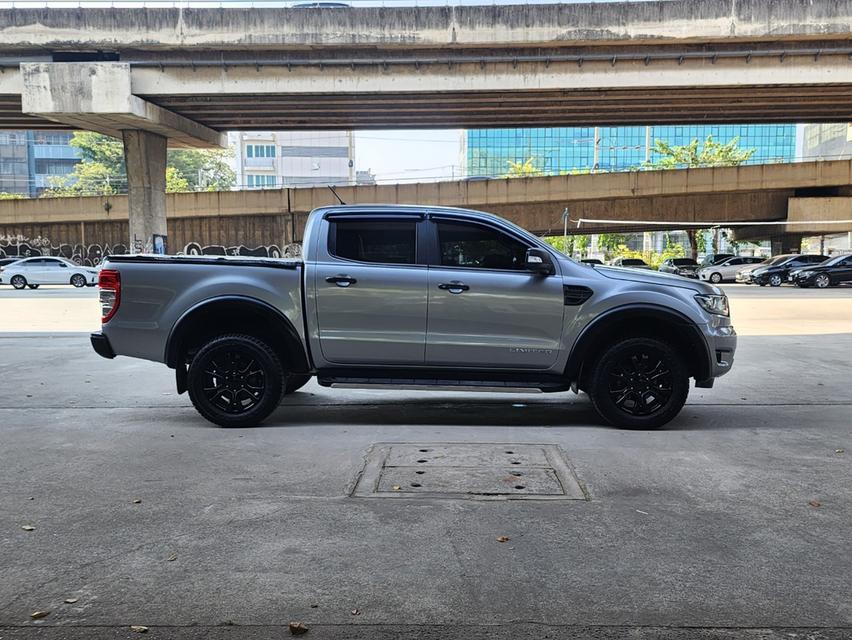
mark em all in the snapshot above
pixel 145 158
pixel 786 243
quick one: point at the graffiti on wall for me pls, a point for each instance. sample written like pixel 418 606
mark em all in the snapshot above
pixel 92 255
pixel 264 251
pixel 89 255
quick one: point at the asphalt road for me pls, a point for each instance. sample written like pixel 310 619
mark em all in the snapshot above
pixel 733 522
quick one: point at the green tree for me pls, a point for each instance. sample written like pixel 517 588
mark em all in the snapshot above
pixel 610 243
pixel 5 195
pixel 175 181
pixel 708 154
pixel 102 170
pixel 525 169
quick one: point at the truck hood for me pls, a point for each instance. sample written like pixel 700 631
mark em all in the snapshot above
pixel 655 277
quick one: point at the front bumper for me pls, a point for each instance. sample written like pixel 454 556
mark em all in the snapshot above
pixel 101 345
pixel 722 343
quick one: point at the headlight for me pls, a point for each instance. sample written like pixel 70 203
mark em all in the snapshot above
pixel 712 303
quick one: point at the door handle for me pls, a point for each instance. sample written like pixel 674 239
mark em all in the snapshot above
pixel 341 280
pixel 454 287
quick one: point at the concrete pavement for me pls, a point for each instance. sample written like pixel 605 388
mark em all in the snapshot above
pixel 708 529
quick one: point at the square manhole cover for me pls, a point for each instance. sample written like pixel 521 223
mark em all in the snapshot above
pixel 496 471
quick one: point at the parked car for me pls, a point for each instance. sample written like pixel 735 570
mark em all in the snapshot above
pixel 5 262
pixel 833 271
pixel 714 258
pixel 36 271
pixel 775 271
pixel 726 270
pixel 505 310
pixel 686 267
pixel 592 261
pixel 631 263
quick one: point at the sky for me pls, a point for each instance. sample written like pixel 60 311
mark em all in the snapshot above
pixel 409 155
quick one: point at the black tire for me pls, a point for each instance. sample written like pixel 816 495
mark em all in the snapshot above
pixel 822 281
pixel 775 280
pixel 78 280
pixel 295 382
pixel 247 380
pixel 19 282
pixel 33 286
pixel 624 375
pixel 715 277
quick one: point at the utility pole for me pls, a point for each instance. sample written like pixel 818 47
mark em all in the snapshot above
pixel 565 231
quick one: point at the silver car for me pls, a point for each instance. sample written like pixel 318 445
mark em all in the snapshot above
pixel 726 271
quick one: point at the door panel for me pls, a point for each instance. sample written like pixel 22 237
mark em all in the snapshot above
pixel 485 309
pixel 503 320
pixel 371 308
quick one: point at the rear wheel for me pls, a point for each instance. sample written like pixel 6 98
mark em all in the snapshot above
pixel 295 382
pixel 78 280
pixel 822 281
pixel 639 383
pixel 235 380
pixel 715 277
pixel 19 282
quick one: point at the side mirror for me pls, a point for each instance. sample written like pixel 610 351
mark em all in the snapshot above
pixel 538 261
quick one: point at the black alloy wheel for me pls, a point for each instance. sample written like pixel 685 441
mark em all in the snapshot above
pixel 235 380
pixel 639 383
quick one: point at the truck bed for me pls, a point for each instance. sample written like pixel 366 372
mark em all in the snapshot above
pixel 230 261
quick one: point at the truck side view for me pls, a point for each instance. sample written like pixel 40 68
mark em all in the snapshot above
pixel 416 297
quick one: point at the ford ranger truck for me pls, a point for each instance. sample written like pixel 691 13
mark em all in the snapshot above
pixel 413 296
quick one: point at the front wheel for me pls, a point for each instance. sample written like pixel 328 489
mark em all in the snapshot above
pixel 19 282
pixel 78 281
pixel 775 280
pixel 639 383
pixel 715 278
pixel 822 281
pixel 235 380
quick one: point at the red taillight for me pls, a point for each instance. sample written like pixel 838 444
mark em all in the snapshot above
pixel 109 282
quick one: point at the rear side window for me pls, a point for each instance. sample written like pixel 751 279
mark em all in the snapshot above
pixel 476 246
pixel 386 241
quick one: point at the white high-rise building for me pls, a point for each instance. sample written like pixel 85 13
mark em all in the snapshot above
pixel 275 159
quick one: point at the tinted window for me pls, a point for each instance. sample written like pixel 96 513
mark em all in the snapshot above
pixel 388 241
pixel 734 261
pixel 52 263
pixel 632 262
pixel 753 260
pixel 684 262
pixel 814 259
pixel 471 245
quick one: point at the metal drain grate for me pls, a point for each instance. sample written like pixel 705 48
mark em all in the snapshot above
pixel 485 471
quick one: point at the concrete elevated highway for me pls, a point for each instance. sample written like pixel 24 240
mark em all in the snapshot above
pixel 180 77
pixel 781 193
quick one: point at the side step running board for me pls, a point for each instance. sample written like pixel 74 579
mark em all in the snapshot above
pixel 501 386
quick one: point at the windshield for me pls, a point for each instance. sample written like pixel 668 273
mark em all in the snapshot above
pixel 777 260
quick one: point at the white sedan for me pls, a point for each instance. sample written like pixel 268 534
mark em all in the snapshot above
pixel 38 270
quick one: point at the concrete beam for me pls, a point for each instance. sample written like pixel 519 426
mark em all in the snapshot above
pixel 814 209
pixel 98 97
pixel 564 25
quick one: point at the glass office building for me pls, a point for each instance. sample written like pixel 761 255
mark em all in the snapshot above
pixel 564 149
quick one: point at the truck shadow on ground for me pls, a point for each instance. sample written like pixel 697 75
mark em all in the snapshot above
pixel 573 412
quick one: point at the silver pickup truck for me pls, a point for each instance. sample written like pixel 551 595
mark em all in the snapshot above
pixel 416 296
